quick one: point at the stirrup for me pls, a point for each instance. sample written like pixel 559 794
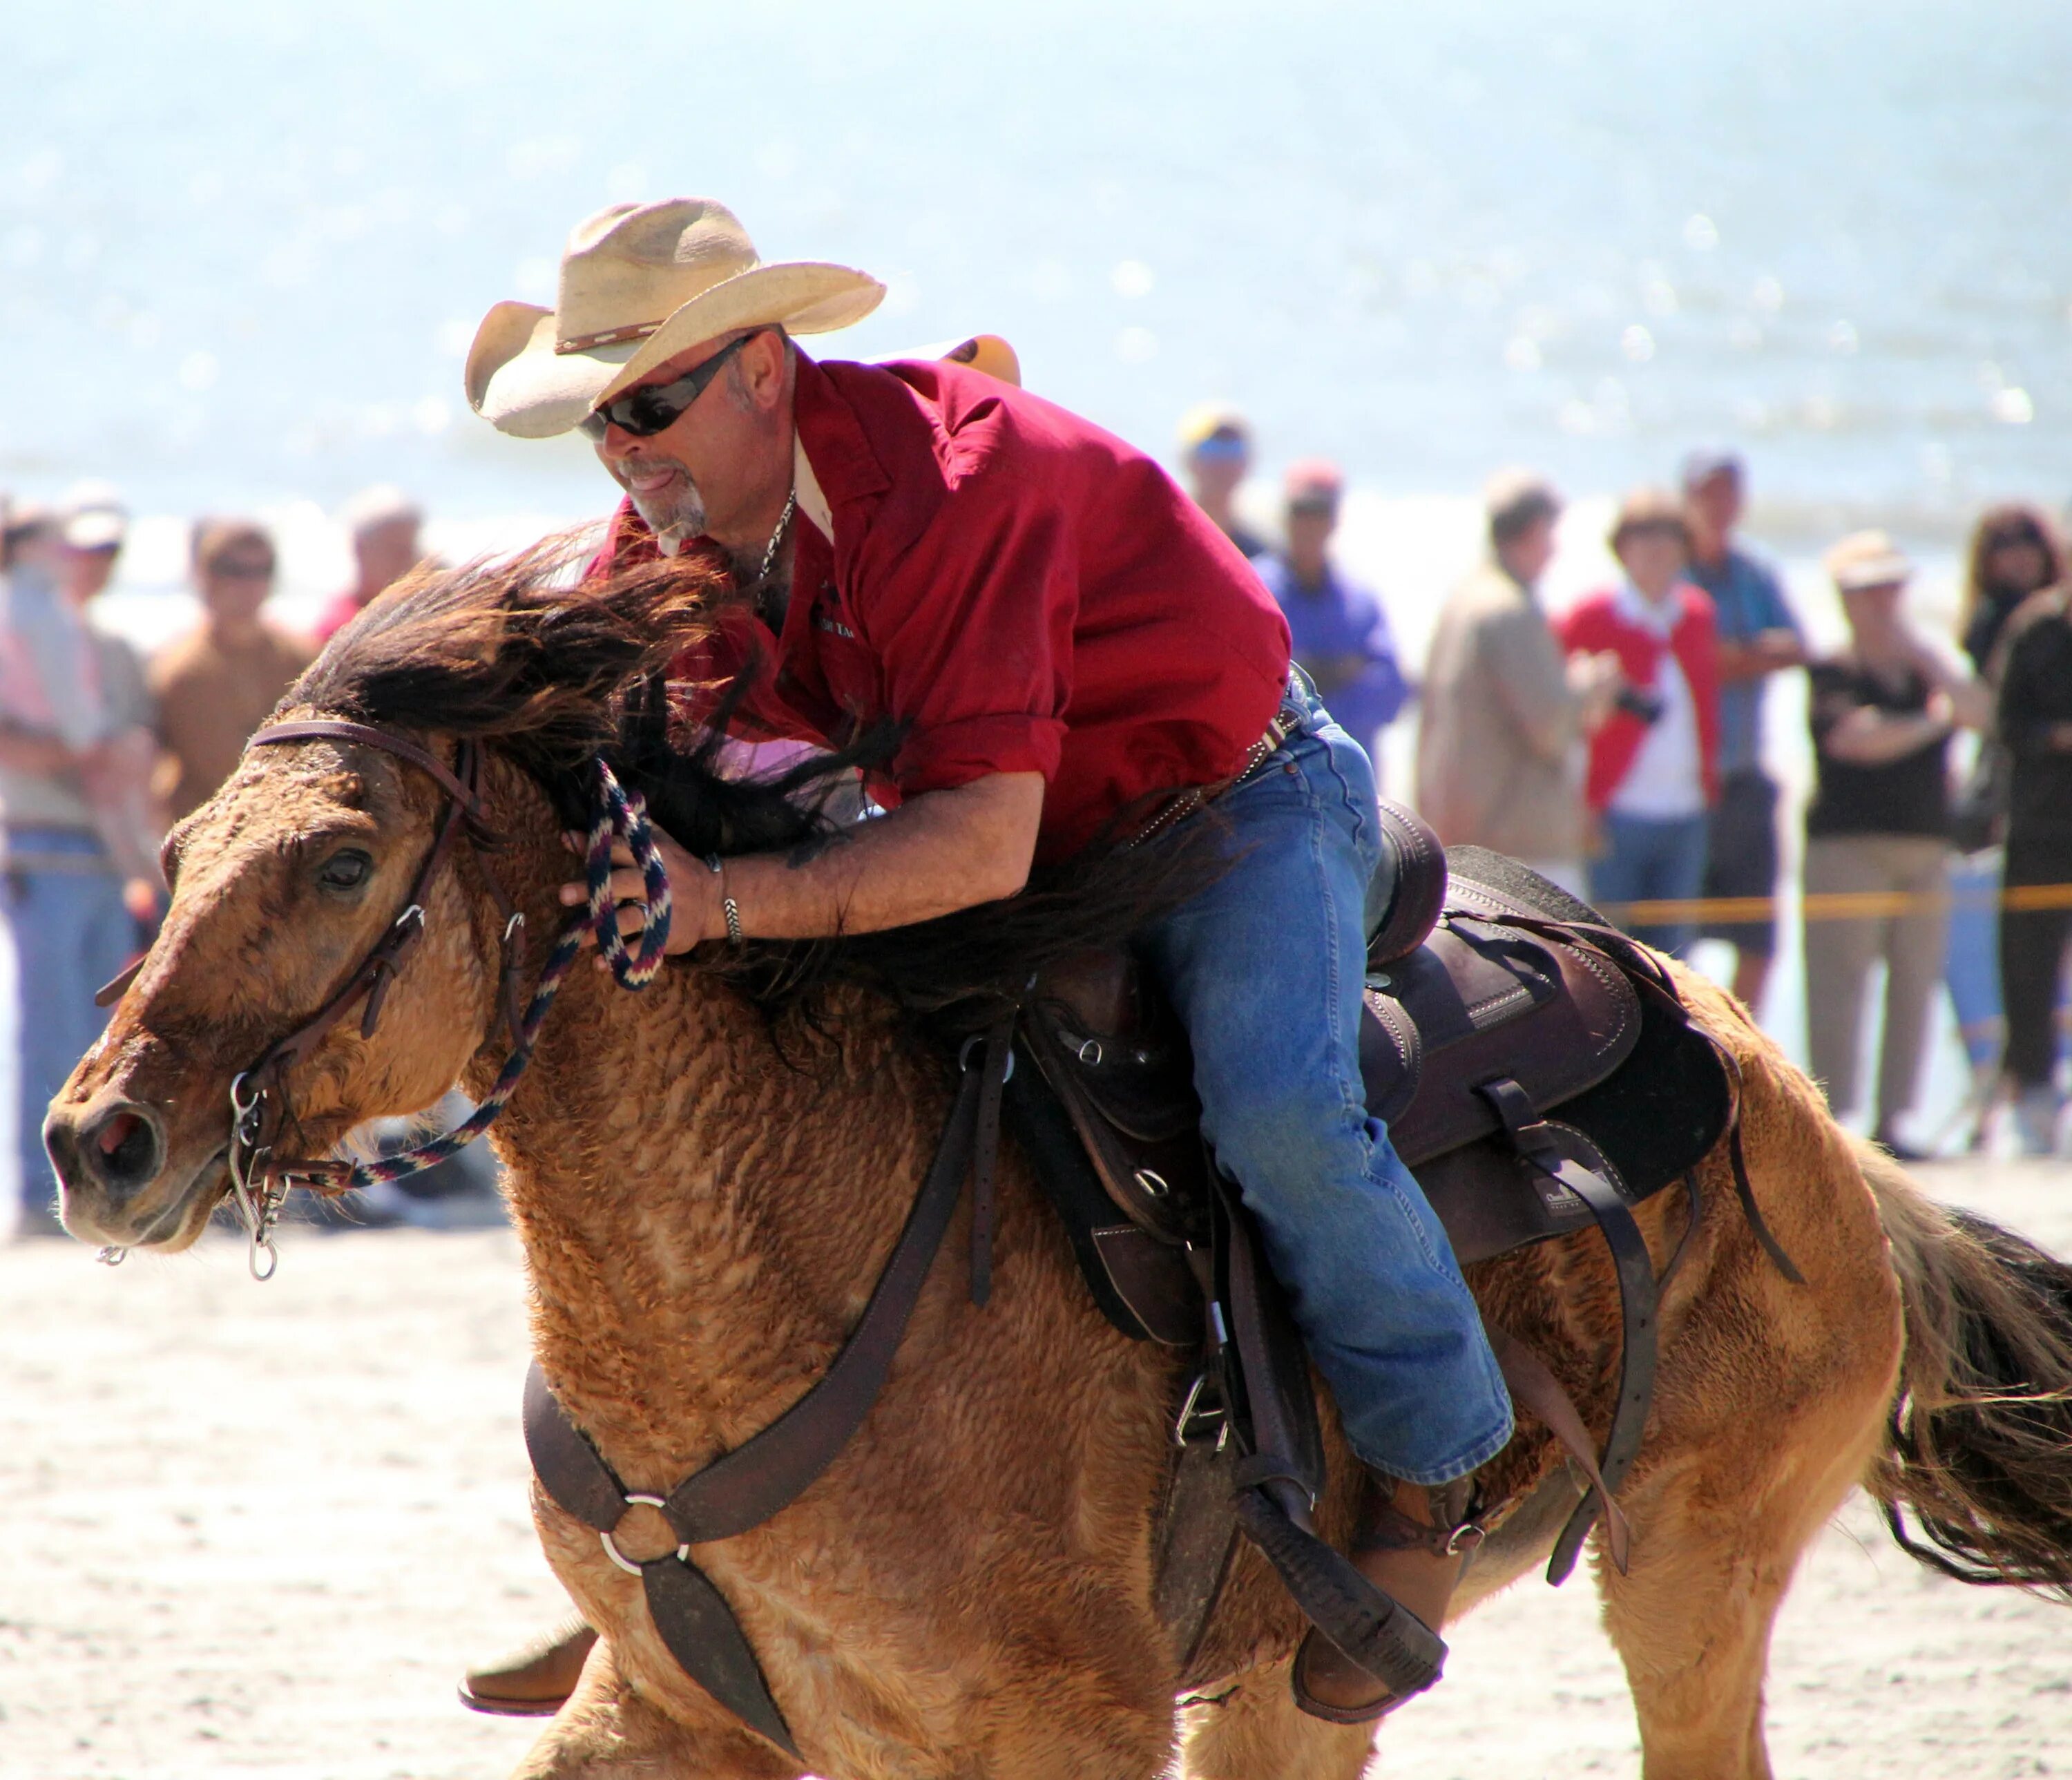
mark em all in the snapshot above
pixel 1366 1711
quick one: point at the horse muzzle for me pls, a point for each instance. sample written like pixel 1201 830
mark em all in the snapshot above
pixel 113 1164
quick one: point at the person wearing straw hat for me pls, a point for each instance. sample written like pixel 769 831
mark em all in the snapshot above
pixel 1074 654
pixel 1882 711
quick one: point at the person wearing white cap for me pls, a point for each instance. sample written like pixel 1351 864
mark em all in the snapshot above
pixel 74 752
pixel 1072 653
pixel 1882 711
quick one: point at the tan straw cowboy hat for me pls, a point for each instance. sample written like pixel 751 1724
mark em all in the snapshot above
pixel 641 283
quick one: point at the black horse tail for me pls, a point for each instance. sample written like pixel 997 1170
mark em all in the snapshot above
pixel 1975 1477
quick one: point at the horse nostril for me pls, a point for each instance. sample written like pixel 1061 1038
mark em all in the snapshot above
pixel 122 1149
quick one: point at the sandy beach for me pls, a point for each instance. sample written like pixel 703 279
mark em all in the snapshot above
pixel 257 1530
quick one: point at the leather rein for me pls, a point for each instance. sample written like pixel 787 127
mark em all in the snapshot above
pixel 262 1171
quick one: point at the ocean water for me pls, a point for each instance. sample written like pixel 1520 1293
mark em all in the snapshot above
pixel 243 247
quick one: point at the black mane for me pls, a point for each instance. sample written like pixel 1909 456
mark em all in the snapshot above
pixel 554 670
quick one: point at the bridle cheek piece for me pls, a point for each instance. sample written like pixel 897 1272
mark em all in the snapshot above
pixel 261 1113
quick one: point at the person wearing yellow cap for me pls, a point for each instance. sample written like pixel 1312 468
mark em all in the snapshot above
pixel 1215 446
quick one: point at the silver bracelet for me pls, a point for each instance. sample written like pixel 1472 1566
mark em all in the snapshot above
pixel 728 907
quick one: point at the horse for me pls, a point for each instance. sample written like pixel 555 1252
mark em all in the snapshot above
pixel 708 1176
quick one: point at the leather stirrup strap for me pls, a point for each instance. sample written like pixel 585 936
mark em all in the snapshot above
pixel 1532 1386
pixel 1632 1266
pixel 1278 1481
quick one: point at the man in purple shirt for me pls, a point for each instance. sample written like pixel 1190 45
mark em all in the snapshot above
pixel 1341 633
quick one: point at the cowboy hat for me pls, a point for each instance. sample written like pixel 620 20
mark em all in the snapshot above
pixel 639 284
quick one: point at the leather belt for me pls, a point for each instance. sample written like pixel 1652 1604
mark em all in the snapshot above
pixel 1287 721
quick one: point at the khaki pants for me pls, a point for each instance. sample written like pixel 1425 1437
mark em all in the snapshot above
pixel 1839 953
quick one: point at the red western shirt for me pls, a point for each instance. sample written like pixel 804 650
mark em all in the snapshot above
pixel 1595 624
pixel 1023 592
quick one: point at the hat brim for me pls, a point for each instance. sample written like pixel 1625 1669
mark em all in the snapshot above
pixel 1860 578
pixel 519 384
pixel 800 296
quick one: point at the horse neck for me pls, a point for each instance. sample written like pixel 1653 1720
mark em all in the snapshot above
pixel 702 1222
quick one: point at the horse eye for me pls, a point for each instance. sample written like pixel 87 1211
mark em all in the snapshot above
pixel 347 870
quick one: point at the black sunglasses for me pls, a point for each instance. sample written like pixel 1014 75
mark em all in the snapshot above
pixel 656 407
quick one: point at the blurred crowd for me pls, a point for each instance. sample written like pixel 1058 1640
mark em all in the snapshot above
pixel 1616 747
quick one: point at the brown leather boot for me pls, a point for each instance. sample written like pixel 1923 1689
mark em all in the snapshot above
pixel 535 1682
pixel 1413 1547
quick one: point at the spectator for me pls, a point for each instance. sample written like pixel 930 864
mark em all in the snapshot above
pixel 1758 637
pixel 1882 713
pixel 2014 553
pixel 2034 719
pixel 1499 735
pixel 74 735
pixel 1653 762
pixel 1341 633
pixel 383 524
pixel 1216 445
pixel 216 684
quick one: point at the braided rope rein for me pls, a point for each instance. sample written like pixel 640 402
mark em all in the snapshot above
pixel 620 815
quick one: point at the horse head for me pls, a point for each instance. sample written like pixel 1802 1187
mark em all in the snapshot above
pixel 294 875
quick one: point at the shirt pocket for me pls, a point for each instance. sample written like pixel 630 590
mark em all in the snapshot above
pixel 848 667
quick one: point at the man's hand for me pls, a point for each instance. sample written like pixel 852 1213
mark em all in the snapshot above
pixel 695 912
pixel 939 851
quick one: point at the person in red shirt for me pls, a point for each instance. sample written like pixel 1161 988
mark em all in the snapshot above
pixel 1071 649
pixel 1653 763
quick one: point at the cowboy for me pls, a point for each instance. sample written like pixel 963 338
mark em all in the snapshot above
pixel 1065 640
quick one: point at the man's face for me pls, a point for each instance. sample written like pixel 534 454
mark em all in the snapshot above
pixel 690 478
pixel 235 584
pixel 1715 503
pixel 88 572
pixel 1310 530
pixel 1529 553
pixel 1219 465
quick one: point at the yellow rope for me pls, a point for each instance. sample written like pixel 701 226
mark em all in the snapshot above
pixel 1836 905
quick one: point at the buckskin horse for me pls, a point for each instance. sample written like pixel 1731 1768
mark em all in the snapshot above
pixel 709 1178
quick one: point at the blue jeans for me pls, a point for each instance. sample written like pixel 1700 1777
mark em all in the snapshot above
pixel 1266 968
pixel 1647 860
pixel 1971 965
pixel 71 934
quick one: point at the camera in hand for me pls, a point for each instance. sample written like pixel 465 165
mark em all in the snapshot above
pixel 1643 702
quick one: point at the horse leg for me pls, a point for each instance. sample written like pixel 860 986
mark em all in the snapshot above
pixel 1716 1541
pixel 608 1732
pixel 1255 1732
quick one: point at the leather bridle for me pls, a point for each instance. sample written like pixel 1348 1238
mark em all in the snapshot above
pixel 262 1113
